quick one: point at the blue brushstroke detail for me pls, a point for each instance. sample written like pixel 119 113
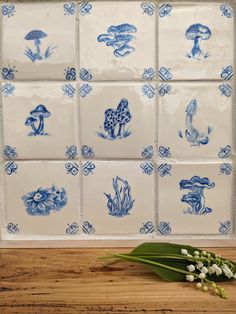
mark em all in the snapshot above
pixel 148 152
pixel 69 8
pixel 164 170
pixel 164 89
pixel 196 198
pixel 227 73
pixel 70 74
pixel 118 37
pixel 224 152
pixel 165 10
pixel 8 89
pixel 147 168
pixel 226 10
pixel 72 228
pixel 88 228
pixel 164 74
pixel 121 204
pixel 11 167
pixel 45 200
pixel 226 169
pixel 148 8
pixel 193 136
pixel 148 74
pixel 10 152
pixel 71 152
pixel 13 228
pixel 85 8
pixel 88 168
pixel 225 227
pixel 225 89
pixel 85 75
pixel 8 10
pixel 72 168
pixel 36 36
pixel 115 122
pixel 8 72
pixel 147 228
pixel 37 117
pixel 164 228
pixel 87 152
pixel 148 90
pixel 84 90
pixel 68 90
pixel 164 152
pixel 197 33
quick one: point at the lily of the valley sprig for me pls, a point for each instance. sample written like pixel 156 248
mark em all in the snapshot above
pixel 174 262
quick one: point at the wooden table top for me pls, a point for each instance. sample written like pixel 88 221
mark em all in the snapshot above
pixel 74 281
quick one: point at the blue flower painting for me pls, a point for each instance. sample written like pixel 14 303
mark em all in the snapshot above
pixel 193 136
pixel 119 38
pixel 195 198
pixel 36 36
pixel 45 200
pixel 121 204
pixel 115 122
pixel 197 33
pixel 36 120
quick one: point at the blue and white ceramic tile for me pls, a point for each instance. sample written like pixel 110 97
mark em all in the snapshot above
pixel 201 198
pixel 121 35
pixel 38 40
pixel 195 112
pixel 117 120
pixel 41 199
pixel 40 120
pixel 196 39
pixel 122 201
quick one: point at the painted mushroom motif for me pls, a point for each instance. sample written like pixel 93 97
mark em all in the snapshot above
pixel 37 115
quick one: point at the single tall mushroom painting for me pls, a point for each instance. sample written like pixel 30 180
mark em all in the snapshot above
pixel 36 36
pixel 197 33
pixel 36 120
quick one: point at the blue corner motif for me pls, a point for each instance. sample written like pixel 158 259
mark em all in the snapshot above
pixel 225 152
pixel 13 228
pixel 225 89
pixel 148 74
pixel 88 228
pixel 8 10
pixel 8 89
pixel 115 122
pixel 85 75
pixel 118 37
pixel 71 152
pixel 148 8
pixel 72 229
pixel 36 121
pixel 45 200
pixel 72 168
pixel 165 74
pixel 225 227
pixel 8 73
pixel 226 10
pixel 148 90
pixel 121 204
pixel 10 152
pixel 197 33
pixel 36 36
pixel 88 168
pixel 164 170
pixel 226 169
pixel 148 152
pixel 193 136
pixel 70 74
pixel 147 167
pixel 69 8
pixel 85 89
pixel 85 8
pixel 147 228
pixel 11 167
pixel 87 152
pixel 227 73
pixel 164 89
pixel 164 152
pixel 195 198
pixel 165 10
pixel 164 228
pixel 68 90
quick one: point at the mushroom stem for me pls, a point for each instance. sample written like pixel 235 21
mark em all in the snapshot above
pixel 37 45
pixel 34 128
pixel 196 51
pixel 41 124
pixel 120 129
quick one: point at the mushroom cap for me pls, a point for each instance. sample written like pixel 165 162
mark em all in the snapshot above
pixel 30 120
pixel 198 30
pixel 40 110
pixel 122 28
pixel 35 34
pixel 192 107
pixel 196 181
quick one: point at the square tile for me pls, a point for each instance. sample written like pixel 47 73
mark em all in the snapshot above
pixel 40 120
pixel 123 201
pixel 41 205
pixel 117 120
pixel 122 35
pixel 201 198
pixel 195 112
pixel 38 41
pixel 196 40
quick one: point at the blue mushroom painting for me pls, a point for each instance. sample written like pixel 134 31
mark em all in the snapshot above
pixel 121 203
pixel 36 120
pixel 43 201
pixel 195 198
pixel 36 36
pixel 197 33
pixel 194 136
pixel 119 38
